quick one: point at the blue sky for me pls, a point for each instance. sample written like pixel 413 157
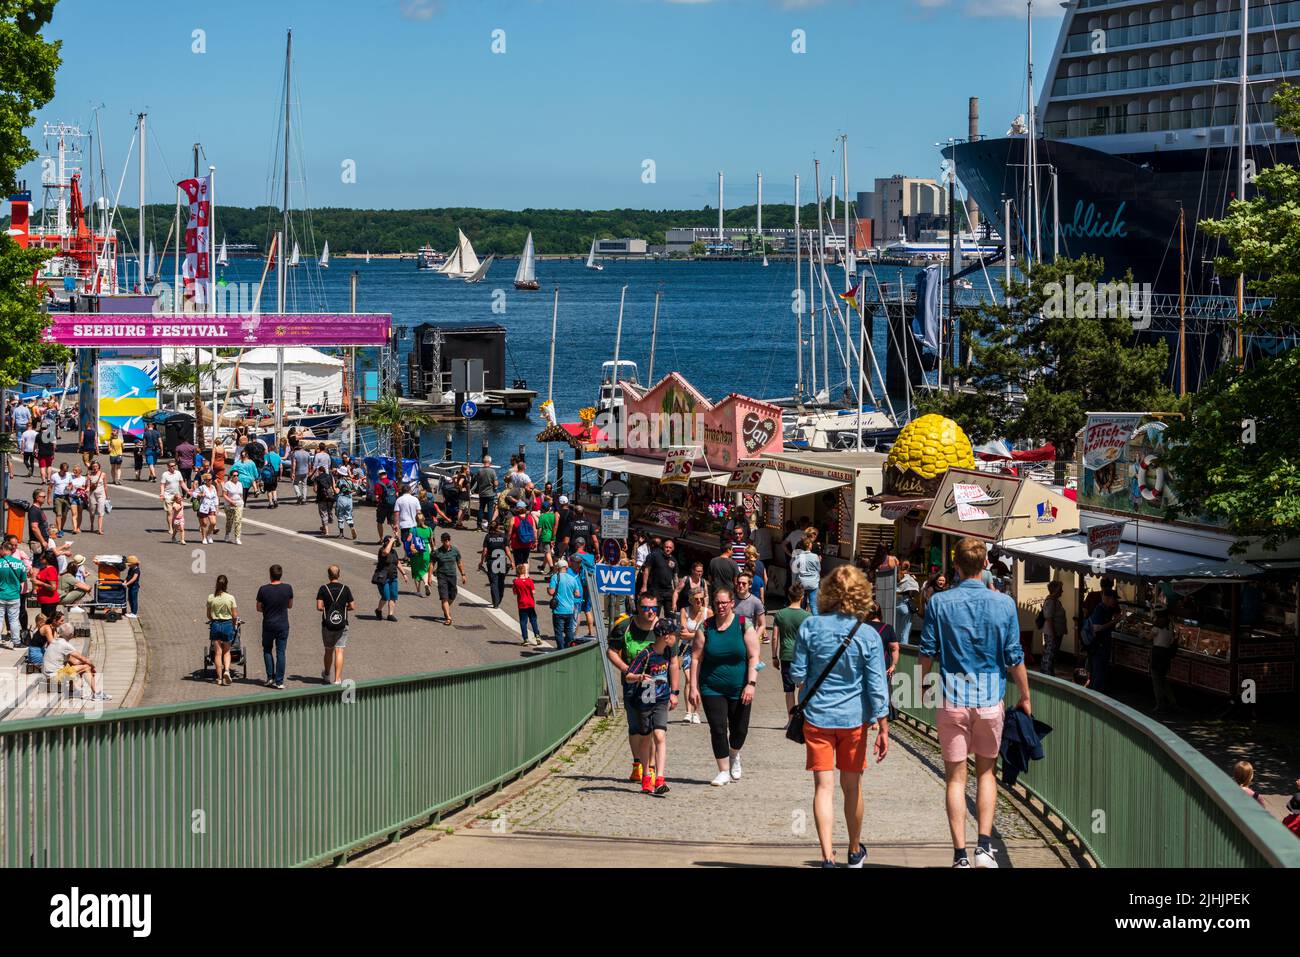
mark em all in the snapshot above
pixel 586 90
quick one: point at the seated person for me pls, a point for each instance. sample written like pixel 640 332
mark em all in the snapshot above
pixel 61 661
pixel 73 587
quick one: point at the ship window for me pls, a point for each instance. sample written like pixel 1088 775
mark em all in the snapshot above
pixel 1293 42
pixel 1155 60
pixel 1134 19
pixel 1198 8
pixel 1155 15
pixel 1115 22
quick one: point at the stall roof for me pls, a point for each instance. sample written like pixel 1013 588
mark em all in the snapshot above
pixel 1129 562
pixel 785 484
pixel 632 465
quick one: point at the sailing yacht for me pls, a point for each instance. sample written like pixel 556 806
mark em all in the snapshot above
pixel 591 257
pixel 526 274
pixel 325 256
pixel 463 262
pixel 294 258
pixel 481 271
pixel 151 266
pixel 222 258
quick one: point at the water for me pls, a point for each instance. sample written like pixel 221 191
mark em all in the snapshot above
pixel 725 326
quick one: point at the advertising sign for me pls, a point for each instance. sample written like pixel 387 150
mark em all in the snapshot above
pixel 1103 540
pixel 127 390
pixel 678 465
pixel 1106 435
pixel 80 330
pixel 746 476
pixel 949 513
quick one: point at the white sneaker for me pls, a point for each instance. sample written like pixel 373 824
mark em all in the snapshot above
pixel 238 542
pixel 686 718
pixel 736 770
pixel 695 718
pixel 724 777
pixel 985 858
pixel 129 615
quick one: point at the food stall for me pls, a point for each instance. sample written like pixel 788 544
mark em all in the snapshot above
pixel 1234 617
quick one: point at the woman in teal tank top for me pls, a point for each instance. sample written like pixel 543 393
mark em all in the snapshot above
pixel 723 682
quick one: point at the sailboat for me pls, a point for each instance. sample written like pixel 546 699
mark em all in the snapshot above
pixel 325 256
pixel 526 274
pixel 222 258
pixel 294 257
pixel 591 257
pixel 367 256
pixel 463 262
pixel 482 270
pixel 151 267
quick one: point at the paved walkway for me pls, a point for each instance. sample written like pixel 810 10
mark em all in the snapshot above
pixel 176 580
pixel 580 811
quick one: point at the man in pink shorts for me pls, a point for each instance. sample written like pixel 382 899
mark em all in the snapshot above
pixel 974 635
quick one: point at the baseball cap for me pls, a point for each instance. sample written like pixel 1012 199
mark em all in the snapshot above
pixel 564 500
pixel 520 507
pixel 381 472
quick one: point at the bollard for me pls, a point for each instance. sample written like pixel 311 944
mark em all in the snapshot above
pixel 446 451
pixel 521 454
pixel 486 451
pixel 559 475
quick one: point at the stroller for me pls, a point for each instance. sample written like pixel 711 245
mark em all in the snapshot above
pixel 109 596
pixel 238 659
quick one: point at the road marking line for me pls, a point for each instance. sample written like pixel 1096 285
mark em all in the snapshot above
pixel 496 613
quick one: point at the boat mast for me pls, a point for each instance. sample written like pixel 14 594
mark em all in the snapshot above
pixel 1182 302
pixel 719 211
pixel 1243 96
pixel 798 299
pixel 283 284
pixel 1035 232
pixel 654 336
pixel 141 119
pixel 550 388
pixel 848 279
pixel 821 250
pixel 761 248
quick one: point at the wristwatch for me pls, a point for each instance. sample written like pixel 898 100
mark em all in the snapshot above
pixel 752 684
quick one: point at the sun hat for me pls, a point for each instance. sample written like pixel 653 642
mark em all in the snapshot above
pixel 132 560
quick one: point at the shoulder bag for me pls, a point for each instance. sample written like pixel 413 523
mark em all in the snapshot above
pixel 794 730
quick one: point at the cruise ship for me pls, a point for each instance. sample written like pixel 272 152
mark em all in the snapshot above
pixel 1139 117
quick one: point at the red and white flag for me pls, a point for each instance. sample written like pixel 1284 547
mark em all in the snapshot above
pixel 195 278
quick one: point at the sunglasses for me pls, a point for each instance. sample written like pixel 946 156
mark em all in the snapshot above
pixel 723 601
pixel 649 609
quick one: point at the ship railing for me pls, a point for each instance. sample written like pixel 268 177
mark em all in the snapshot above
pixel 1178 28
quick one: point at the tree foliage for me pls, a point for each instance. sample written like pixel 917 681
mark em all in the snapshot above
pixel 27 66
pixel 1236 456
pixel 1036 371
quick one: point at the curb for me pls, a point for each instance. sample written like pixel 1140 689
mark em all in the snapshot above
pixel 135 692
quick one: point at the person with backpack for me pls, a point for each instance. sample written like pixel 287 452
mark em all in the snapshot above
pixel 419 550
pixel 334 600
pixel 523 534
pixel 344 486
pixel 384 493
pixel 269 475
pixel 326 492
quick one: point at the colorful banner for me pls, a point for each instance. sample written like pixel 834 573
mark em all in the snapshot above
pixel 127 390
pixel 198 240
pixel 111 330
pixel 679 464
pixel 1103 540
pixel 746 476
pixel 1105 436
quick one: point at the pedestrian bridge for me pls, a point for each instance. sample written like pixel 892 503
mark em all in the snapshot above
pixel 311 776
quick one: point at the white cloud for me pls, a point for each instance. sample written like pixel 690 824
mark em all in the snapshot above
pixel 420 9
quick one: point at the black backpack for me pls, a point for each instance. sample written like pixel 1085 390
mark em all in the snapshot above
pixel 335 616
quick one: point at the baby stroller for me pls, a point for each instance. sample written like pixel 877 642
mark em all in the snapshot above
pixel 238 660
pixel 109 596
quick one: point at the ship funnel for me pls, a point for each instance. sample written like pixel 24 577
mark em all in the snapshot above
pixel 973 134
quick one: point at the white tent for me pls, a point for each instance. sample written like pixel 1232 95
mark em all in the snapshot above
pixel 310 376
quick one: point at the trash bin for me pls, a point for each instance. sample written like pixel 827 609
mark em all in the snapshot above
pixel 176 427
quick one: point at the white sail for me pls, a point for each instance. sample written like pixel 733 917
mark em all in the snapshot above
pixel 325 256
pixel 294 256
pixel 591 256
pixel 151 269
pixel 452 266
pixel 469 262
pixel 481 271
pixel 367 255
pixel 526 273
pixel 222 258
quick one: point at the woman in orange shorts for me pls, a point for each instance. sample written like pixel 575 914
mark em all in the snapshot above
pixel 840 662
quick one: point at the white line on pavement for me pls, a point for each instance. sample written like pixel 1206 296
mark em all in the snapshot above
pixel 496 613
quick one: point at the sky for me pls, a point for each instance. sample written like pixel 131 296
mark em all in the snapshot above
pixel 589 104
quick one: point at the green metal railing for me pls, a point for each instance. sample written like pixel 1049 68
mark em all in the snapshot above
pixel 1133 792
pixel 293 778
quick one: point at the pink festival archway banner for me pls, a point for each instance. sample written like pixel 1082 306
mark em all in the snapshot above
pixel 88 330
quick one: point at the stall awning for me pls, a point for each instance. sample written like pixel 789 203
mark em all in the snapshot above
pixel 632 465
pixel 1130 562
pixel 785 484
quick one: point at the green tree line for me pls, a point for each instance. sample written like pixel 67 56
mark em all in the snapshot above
pixel 500 231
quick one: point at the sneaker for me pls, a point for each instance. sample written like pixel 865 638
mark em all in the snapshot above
pixel 379 614
pixel 724 777
pixel 130 614
pixel 686 718
pixel 279 686
pixel 238 542
pixel 736 770
pixel 660 788
pixel 985 858
pixel 961 862
pixel 695 718
pixel 325 676
pixel 270 682
pixel 637 771
pixel 105 696
pixel 857 860
pixel 647 785
pixel 829 864
pixel 394 618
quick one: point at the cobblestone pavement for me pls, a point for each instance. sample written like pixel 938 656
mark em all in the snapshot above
pixel 583 811
pixel 176 580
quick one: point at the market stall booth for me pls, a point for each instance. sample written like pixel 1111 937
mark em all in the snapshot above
pixel 1234 617
pixel 668 443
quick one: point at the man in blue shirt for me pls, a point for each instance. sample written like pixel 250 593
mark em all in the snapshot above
pixel 152 440
pixel 974 634
pixel 566 590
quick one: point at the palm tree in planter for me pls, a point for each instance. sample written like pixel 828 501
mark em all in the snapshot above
pixel 388 417
pixel 186 376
